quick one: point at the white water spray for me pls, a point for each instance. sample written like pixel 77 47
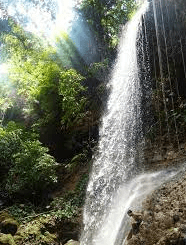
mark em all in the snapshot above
pixel 129 196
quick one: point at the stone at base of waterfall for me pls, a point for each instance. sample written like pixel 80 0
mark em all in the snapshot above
pixel 72 242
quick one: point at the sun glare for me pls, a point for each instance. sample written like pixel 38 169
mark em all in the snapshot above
pixel 64 16
pixel 3 69
pixel 43 18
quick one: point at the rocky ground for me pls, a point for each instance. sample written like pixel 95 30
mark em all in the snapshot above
pixel 164 210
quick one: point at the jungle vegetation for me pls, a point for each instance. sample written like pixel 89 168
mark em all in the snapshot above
pixel 43 97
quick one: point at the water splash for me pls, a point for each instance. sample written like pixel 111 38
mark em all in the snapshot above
pixel 128 196
pixel 120 136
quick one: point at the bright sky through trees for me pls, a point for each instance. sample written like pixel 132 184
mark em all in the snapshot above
pixel 41 17
pixel 47 18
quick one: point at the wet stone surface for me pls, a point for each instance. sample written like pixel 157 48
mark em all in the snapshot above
pixel 164 215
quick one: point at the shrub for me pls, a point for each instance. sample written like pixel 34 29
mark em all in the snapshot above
pixel 29 166
pixel 33 169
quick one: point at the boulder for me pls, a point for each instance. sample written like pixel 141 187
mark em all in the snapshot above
pixel 72 242
pixel 8 225
pixel 35 232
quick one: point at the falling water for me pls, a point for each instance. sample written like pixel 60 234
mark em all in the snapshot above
pixel 120 136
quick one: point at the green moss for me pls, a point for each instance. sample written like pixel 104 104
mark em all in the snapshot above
pixel 7 239
pixel 35 232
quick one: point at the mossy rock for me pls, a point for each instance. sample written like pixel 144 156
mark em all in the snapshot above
pixel 6 239
pixel 35 232
pixel 8 224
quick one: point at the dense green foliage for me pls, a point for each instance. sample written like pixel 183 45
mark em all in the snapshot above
pixel 50 95
pixel 50 92
pixel 70 90
pixel 25 164
pixel 107 17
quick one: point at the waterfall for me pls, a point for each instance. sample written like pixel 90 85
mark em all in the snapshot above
pixel 119 153
pixel 117 181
